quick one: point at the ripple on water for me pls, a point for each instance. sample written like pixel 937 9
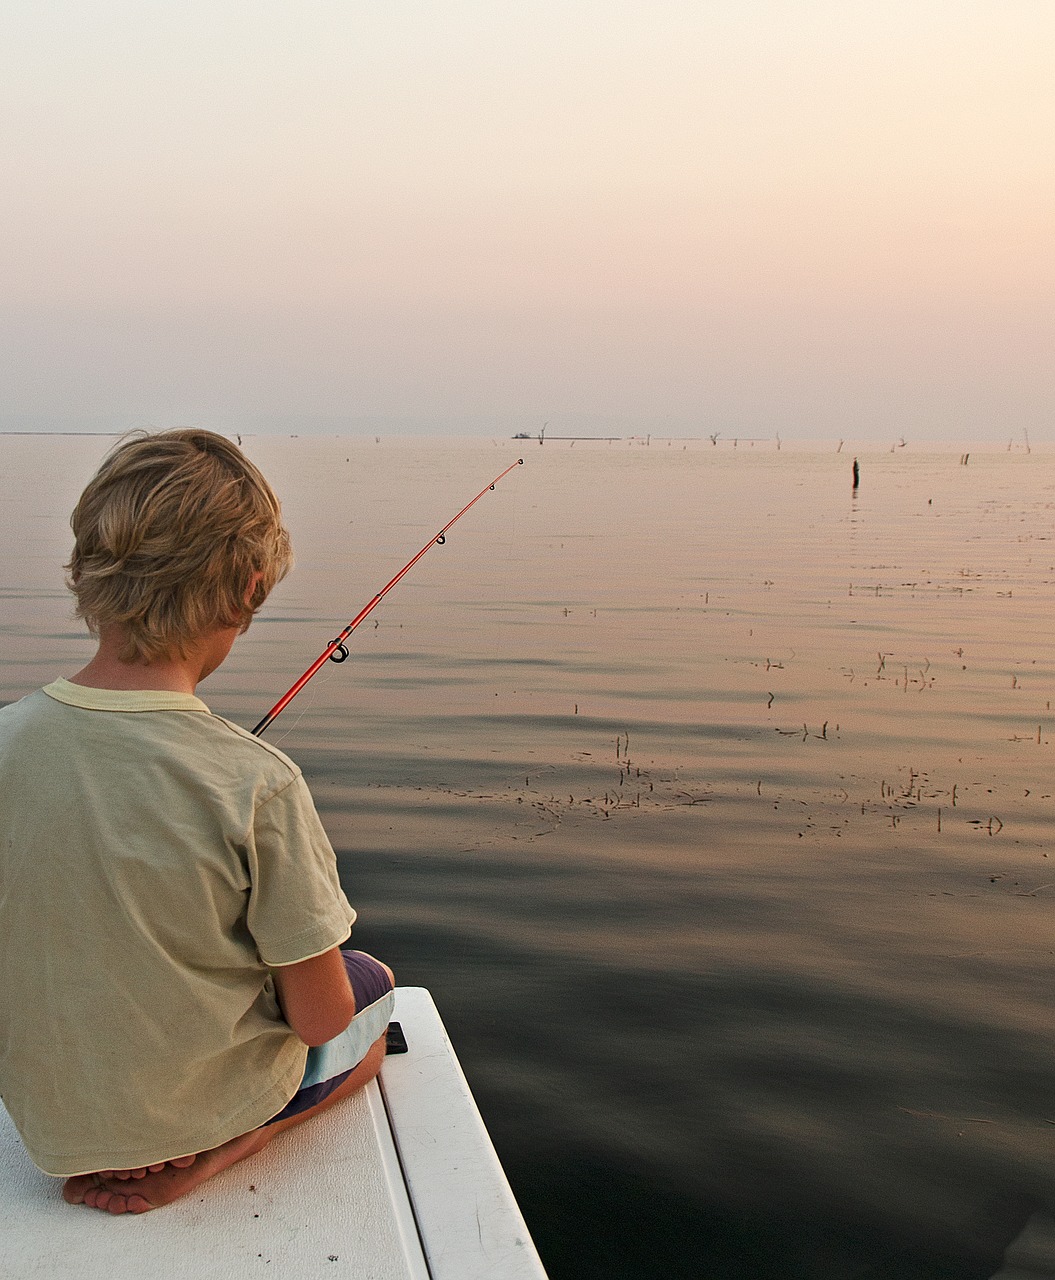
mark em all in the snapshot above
pixel 712 802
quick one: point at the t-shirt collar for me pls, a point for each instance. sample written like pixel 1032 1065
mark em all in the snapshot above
pixel 92 699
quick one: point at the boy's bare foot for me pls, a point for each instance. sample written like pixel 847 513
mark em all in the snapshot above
pixel 157 1185
pixel 181 1162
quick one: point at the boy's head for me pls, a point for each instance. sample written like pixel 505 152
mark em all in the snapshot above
pixel 177 534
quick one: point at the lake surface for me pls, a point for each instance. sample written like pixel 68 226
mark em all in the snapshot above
pixel 712 800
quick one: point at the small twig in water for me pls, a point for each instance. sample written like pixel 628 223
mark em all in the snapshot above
pixel 1032 893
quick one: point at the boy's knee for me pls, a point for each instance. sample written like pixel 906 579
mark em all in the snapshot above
pixel 371 978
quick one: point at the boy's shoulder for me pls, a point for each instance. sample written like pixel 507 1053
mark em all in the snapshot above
pixel 263 754
pixel 154 723
pixel 20 710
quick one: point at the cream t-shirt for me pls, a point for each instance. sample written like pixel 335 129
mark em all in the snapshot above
pixel 155 860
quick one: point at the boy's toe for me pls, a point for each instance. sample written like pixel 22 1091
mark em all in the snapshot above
pixel 74 1189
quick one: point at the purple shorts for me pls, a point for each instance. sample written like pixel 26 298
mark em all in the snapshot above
pixel 369 983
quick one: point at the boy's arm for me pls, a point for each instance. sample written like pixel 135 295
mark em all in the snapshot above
pixel 315 996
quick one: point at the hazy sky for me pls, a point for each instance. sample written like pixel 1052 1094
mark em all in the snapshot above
pixel 811 217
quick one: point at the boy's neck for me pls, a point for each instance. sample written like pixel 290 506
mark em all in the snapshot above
pixel 171 675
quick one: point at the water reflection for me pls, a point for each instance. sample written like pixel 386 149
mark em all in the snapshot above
pixel 713 804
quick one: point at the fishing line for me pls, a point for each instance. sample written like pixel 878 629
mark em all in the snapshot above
pixel 305 707
pixel 337 650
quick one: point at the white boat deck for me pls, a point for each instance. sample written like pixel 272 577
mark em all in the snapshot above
pixel 400 1182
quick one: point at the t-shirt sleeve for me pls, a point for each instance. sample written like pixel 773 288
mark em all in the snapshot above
pixel 297 908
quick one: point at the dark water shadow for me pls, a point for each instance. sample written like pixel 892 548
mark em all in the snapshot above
pixel 740 1119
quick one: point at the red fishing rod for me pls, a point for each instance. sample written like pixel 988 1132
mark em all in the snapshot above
pixel 337 650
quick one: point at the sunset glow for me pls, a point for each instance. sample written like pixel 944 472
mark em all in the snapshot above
pixel 745 217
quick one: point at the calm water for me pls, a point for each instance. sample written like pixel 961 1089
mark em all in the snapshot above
pixel 713 803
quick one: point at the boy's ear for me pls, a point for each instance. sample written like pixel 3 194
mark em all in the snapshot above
pixel 254 582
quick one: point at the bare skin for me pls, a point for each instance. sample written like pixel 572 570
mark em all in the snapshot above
pixel 177 674
pixel 157 1185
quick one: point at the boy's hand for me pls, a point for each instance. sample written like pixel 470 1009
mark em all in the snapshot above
pixel 315 996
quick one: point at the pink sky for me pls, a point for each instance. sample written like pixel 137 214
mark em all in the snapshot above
pixel 817 219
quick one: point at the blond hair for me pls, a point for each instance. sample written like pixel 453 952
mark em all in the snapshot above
pixel 171 534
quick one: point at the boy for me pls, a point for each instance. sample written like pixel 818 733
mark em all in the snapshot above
pixel 170 913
